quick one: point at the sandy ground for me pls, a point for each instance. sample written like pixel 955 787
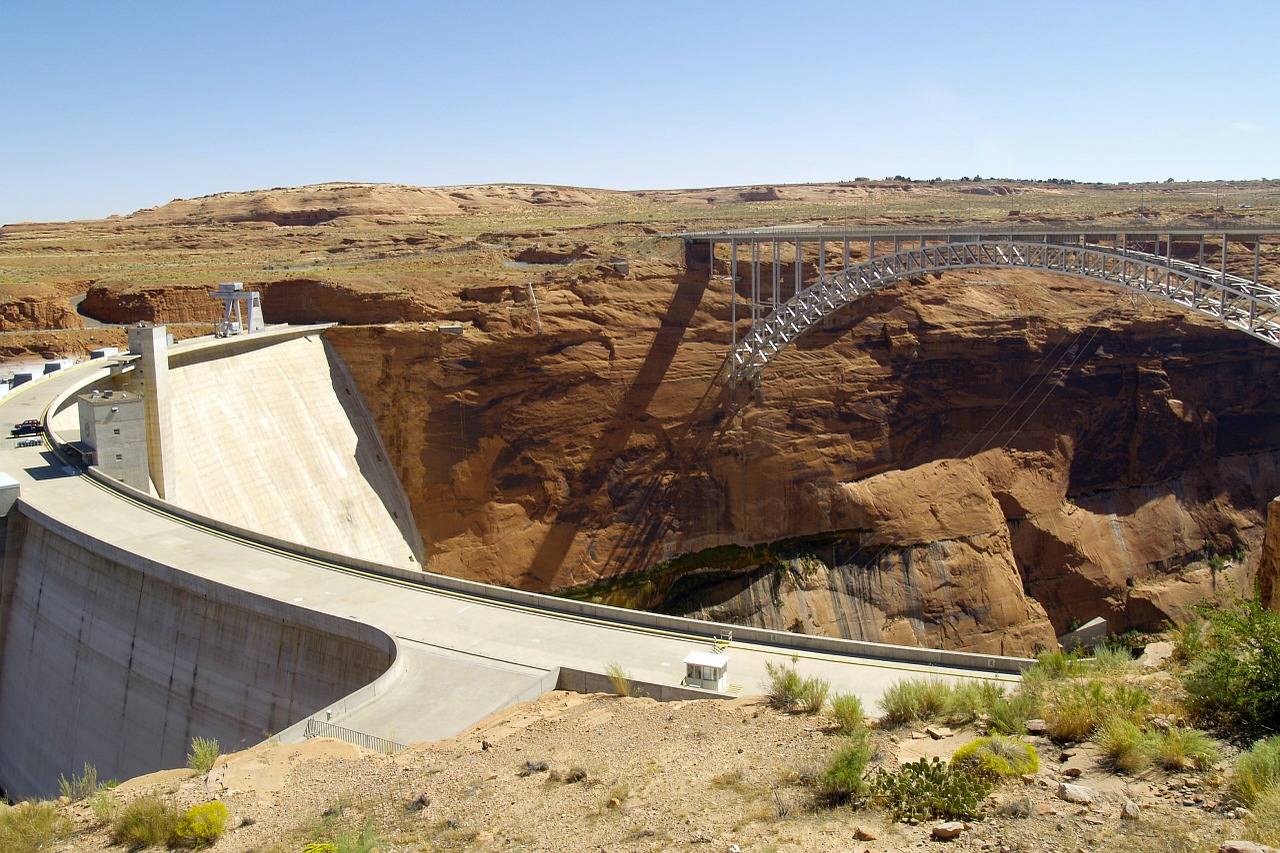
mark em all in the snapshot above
pixel 700 775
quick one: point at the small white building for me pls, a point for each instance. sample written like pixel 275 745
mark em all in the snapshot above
pixel 706 670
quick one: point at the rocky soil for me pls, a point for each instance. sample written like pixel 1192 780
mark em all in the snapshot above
pixel 977 461
pixel 700 775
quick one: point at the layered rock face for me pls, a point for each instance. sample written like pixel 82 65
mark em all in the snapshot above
pixel 299 301
pixel 976 461
pixel 36 307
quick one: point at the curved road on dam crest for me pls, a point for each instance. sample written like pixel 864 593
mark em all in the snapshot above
pixel 453 652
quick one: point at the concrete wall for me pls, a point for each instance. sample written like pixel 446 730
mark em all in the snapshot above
pixel 581 681
pixel 278 440
pixel 113 660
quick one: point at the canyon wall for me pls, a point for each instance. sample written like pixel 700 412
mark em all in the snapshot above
pixel 1107 444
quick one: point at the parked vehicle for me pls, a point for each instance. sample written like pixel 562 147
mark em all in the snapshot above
pixel 27 428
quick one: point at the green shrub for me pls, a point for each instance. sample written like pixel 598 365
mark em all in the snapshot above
pixel 970 699
pixel 1234 677
pixel 843 776
pixel 848 712
pixel 914 699
pixel 787 691
pixel 1055 665
pixel 363 840
pixel 104 805
pixel 204 753
pixel 200 826
pixel 31 827
pixel 1263 823
pixel 1123 746
pixel 146 822
pixel 1110 661
pixel 997 757
pixel 1179 748
pixel 813 694
pixel 784 685
pixel 1188 640
pixel 1073 710
pixel 923 789
pixel 1256 770
pixel 79 787
pixel 1009 714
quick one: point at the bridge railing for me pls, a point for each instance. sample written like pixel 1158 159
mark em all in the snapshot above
pixel 1245 305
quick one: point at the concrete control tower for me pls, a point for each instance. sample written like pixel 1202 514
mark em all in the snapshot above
pixel 113 431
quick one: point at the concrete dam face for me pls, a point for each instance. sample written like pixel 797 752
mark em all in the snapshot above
pixel 117 660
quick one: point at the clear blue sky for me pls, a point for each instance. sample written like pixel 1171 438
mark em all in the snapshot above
pixel 109 107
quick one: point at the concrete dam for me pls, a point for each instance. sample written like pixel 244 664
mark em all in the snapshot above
pixel 277 582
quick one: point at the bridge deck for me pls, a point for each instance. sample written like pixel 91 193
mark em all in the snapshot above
pixel 810 232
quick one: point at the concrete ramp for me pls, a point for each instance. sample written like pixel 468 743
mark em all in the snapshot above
pixel 277 440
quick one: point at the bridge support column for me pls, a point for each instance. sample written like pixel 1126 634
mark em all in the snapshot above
pixel 755 283
pixel 799 269
pixel 777 274
pixel 733 292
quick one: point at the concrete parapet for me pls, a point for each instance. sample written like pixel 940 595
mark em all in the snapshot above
pixel 118 661
pixel 581 681
pixel 10 490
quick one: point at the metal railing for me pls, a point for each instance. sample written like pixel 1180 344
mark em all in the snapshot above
pixel 1241 304
pixel 317 728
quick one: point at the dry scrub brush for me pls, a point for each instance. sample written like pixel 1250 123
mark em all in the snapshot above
pixel 30 827
pixel 787 691
pixel 926 699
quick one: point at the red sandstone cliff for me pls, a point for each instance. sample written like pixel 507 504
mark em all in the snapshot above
pixel 1100 445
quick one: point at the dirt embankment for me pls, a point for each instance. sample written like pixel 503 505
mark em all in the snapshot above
pixel 701 775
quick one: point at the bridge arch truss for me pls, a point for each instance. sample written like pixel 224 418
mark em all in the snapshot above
pixel 1144 262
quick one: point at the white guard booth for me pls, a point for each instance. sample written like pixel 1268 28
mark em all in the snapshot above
pixel 706 670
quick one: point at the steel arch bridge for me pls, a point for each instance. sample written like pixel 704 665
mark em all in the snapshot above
pixel 1244 304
